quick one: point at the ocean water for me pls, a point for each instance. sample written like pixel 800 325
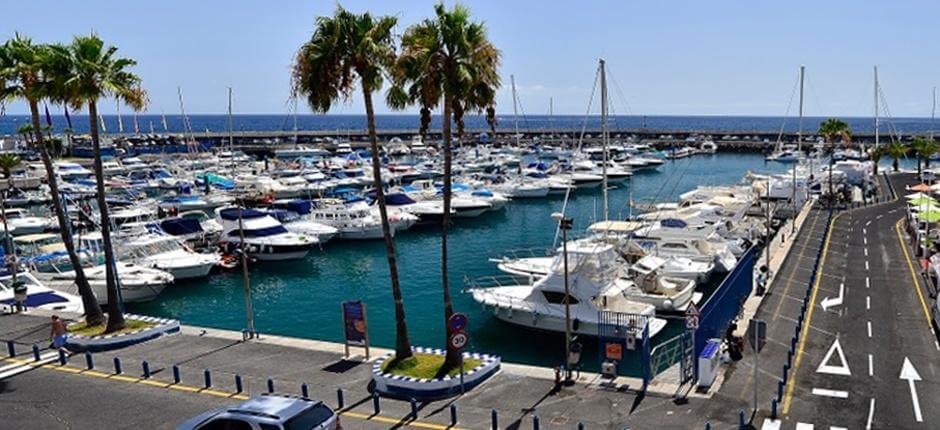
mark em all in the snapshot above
pixel 302 298
pixel 343 123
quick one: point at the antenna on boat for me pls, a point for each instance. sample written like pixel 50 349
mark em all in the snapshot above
pixel 933 112
pixel 515 111
pixel 876 107
pixel 604 132
pixel 249 310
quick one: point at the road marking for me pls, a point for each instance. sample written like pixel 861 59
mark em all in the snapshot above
pixel 871 413
pixel 827 303
pixel 809 317
pixel 936 344
pixel 910 266
pixel 880 216
pixel 837 428
pixel 867 282
pixel 804 426
pixel 871 366
pixel 770 424
pixel 869 329
pixel 866 225
pixel 867 303
pixel 24 365
pixel 841 369
pixel 909 373
pixel 866 251
pixel 864 240
pixel 866 264
pixel 830 393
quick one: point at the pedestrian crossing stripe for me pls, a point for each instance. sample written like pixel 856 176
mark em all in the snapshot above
pixel 841 369
pixel 16 369
pixel 770 424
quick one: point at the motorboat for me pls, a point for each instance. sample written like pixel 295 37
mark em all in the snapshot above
pixel 265 239
pixel 296 223
pixel 354 221
pixel 137 283
pixel 788 153
pixel 166 253
pixel 38 296
pixel 708 146
pixel 644 282
pixel 20 222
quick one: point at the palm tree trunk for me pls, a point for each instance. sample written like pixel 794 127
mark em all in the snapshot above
pixel 402 341
pixel 7 240
pixel 895 165
pixel 93 315
pixel 919 175
pixel 115 316
pixel 453 357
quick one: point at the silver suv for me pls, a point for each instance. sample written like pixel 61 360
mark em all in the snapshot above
pixel 267 412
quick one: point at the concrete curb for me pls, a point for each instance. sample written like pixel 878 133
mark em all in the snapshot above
pixel 163 326
pixel 405 387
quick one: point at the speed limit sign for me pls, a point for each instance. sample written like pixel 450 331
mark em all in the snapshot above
pixel 458 340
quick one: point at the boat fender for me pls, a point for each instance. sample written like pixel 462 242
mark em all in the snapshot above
pixel 576 324
pixel 667 304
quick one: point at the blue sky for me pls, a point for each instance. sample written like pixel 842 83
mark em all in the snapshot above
pixel 665 57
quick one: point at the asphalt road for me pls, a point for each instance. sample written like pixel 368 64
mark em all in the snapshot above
pixel 867 321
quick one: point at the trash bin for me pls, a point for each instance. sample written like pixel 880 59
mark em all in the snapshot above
pixel 708 362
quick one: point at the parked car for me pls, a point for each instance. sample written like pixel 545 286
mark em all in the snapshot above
pixel 267 412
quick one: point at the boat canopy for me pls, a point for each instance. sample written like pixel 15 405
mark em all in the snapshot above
pixel 181 226
pixel 232 214
pixel 673 223
pixel 398 199
pixel 615 226
pixel 283 215
pixel 301 207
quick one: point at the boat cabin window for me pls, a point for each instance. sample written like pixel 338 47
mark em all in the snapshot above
pixel 557 298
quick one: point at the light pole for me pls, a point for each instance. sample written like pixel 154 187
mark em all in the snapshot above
pixel 564 225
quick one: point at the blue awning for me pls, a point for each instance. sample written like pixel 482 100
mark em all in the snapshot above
pixel 181 226
pixel 232 214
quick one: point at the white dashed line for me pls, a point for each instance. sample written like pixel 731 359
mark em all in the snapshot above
pixel 865 240
pixel 867 282
pixel 830 393
pixel 866 264
pixel 871 366
pixel 871 413
pixel 869 329
pixel 867 224
pixel 867 303
pixel 866 251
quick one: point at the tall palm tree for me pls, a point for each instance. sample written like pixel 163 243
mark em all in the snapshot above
pixel 830 129
pixel 896 150
pixel 447 60
pixel 26 130
pixel 923 149
pixel 342 49
pixel 8 162
pixel 28 72
pixel 875 154
pixel 94 73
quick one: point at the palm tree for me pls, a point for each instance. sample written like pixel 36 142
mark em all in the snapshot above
pixel 8 162
pixel 447 59
pixel 923 149
pixel 875 154
pixel 27 72
pixel 896 150
pixel 26 130
pixel 830 129
pixel 342 49
pixel 94 73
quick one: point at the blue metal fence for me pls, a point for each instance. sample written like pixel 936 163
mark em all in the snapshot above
pixel 725 304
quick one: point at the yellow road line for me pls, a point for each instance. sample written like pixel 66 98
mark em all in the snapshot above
pixel 211 392
pixel 910 266
pixel 809 317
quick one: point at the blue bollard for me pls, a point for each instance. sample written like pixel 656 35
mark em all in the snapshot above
pixel 304 391
pixel 146 367
pixel 453 415
pixel 117 366
pixel 580 425
pixel 35 352
pixel 414 408
pixel 376 408
pixel 741 420
pixel 786 371
pixel 494 425
pixel 779 390
pixel 207 375
pixel 773 409
pixel 708 425
pixel 89 362
pixel 270 385
pixel 340 402
pixel 176 374
pixel 238 383
pixel 535 422
pixel 11 348
pixel 789 358
pixel 63 359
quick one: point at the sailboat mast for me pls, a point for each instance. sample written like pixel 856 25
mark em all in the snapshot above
pixel 296 137
pixel 799 133
pixel 933 112
pixel 876 107
pixel 120 120
pixel 249 310
pixel 515 111
pixel 604 133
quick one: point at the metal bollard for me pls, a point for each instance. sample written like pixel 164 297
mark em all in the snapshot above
pixel 786 371
pixel 708 425
pixel 580 425
pixel 270 385
pixel 376 408
pixel 117 366
pixel 773 409
pixel 207 375
pixel 146 367
pixel 741 425
pixel 414 408
pixel 340 402
pixel 780 390
pixel 453 415
pixel 11 348
pixel 63 359
pixel 304 391
pixel 789 357
pixel 35 352
pixel 89 362
pixel 494 425
pixel 238 383
pixel 176 374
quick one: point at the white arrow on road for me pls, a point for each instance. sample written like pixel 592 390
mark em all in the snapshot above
pixel 909 373
pixel 835 301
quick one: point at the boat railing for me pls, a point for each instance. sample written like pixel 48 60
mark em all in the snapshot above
pixel 496 281
pixel 516 254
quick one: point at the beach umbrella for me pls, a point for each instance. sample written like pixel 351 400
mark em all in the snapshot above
pixel 925 207
pixel 920 187
pixel 922 201
pixel 929 216
pixel 916 195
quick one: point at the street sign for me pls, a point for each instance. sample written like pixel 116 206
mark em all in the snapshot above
pixel 457 322
pixel 692 315
pixel 757 334
pixel 458 340
pixel 355 327
pixel 613 351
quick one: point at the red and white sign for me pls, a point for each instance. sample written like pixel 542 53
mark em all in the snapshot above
pixel 692 315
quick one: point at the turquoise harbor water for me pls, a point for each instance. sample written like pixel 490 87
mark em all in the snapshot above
pixel 302 298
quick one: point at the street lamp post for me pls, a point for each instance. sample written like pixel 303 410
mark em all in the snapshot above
pixel 566 224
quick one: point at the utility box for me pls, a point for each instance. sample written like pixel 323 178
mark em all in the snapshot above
pixel 708 362
pixel 609 369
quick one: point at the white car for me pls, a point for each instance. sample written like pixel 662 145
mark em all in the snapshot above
pixel 267 412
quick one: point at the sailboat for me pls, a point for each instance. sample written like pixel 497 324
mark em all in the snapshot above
pixel 788 152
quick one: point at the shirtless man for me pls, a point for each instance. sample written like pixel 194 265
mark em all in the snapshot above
pixel 58 334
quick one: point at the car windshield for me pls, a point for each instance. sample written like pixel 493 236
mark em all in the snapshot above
pixel 310 418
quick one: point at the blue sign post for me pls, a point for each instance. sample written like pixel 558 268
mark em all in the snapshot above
pixel 355 327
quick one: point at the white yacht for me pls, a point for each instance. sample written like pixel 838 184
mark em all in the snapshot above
pixel 20 222
pixel 38 296
pixel 265 238
pixel 69 170
pixel 295 222
pixel 138 283
pixel 644 282
pixel 166 253
pixel 354 221
pixel 541 305
pixel 788 153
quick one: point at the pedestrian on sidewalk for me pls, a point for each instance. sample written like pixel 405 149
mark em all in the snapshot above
pixel 58 335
